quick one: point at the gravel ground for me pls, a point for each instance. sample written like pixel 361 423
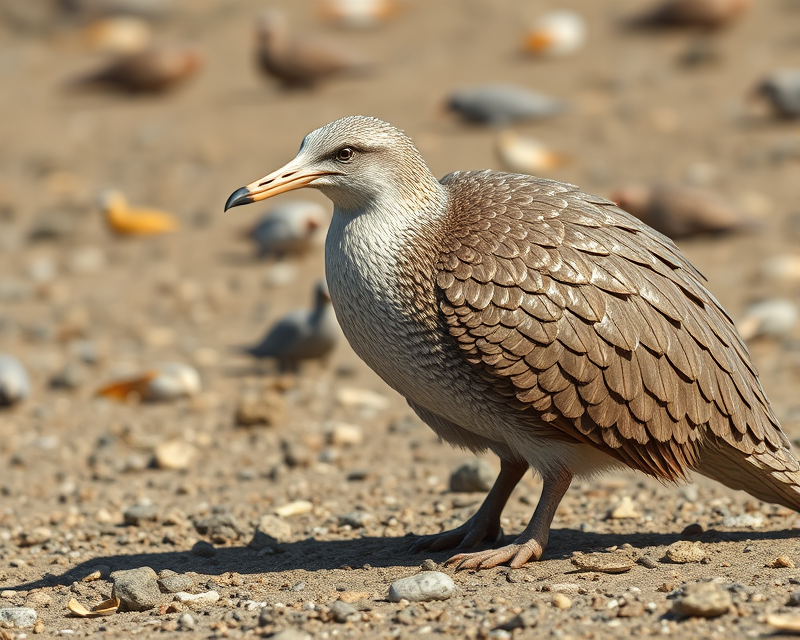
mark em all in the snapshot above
pixel 91 487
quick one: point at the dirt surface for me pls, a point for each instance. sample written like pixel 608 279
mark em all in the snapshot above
pixel 72 464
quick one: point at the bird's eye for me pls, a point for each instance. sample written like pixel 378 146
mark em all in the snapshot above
pixel 345 155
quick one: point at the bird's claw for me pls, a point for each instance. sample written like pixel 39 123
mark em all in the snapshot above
pixel 517 555
pixel 466 536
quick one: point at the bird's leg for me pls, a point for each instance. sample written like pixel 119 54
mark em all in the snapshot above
pixel 530 544
pixel 485 524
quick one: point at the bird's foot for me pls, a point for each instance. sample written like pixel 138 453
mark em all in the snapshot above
pixel 470 534
pixel 517 554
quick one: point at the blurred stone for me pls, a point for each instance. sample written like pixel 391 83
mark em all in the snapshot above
pixel 422 587
pixel 17 617
pixel 35 536
pixel 702 599
pixel 267 408
pixel 362 399
pixel 528 619
pixel 209 597
pixel 744 521
pixel 683 552
pixel 86 260
pixel 204 549
pixel 345 435
pixel 560 601
pixel 344 612
pixel 473 476
pixel 271 531
pixel 624 510
pixel 136 589
pixel 172 582
pixel 15 385
pixel 220 527
pixel 356 519
pixel 773 317
pixel 782 562
pixel 139 513
pixel 186 622
pixel 174 454
pixel 296 508
pixel 784 622
pixel 69 378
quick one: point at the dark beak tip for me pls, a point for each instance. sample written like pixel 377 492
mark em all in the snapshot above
pixel 238 198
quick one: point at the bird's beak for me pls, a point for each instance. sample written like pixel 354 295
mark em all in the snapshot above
pixel 288 178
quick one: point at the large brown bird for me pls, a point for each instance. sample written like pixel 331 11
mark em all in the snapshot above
pixel 299 61
pixel 527 317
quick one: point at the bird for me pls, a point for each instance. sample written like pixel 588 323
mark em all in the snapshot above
pixel 289 228
pixel 502 104
pixel 164 382
pixel 781 89
pixel 15 385
pixel 556 34
pixel 703 14
pixel 524 154
pixel 299 61
pixel 524 316
pixel 680 211
pixel 358 14
pixel 301 334
pixel 149 71
pixel 125 221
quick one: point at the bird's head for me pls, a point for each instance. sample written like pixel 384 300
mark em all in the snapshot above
pixel 358 162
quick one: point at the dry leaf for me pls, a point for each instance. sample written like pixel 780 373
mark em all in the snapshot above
pixel 105 608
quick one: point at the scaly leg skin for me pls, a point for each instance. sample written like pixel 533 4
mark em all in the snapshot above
pixel 532 541
pixel 485 524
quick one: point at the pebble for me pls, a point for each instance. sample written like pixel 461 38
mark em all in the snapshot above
pixel 683 552
pixel 356 519
pixel 221 527
pixel 136 589
pixel 560 601
pixel 186 622
pixel 647 562
pixel 702 599
pixel 204 549
pixel 19 617
pixel 15 385
pixel 473 476
pixel 139 513
pixel 744 521
pixel 343 612
pixel 422 587
pixel 209 597
pixel 346 435
pixel 69 378
pixel 291 634
pixel 624 510
pixel 37 535
pixel 362 399
pixel 265 408
pixel 525 620
pixel 774 317
pixel 296 508
pixel 782 562
pixel 174 454
pixel 603 562
pixel 271 530
pixel 172 582
pixel 86 260
pixel 784 622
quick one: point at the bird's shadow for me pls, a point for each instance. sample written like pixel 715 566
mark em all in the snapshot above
pixel 381 552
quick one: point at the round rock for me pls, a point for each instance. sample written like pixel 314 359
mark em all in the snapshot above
pixel 423 587
pixel 683 552
pixel 136 589
pixel 473 476
pixel 702 599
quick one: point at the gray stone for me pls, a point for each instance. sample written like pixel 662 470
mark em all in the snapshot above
pixel 19 617
pixel 139 513
pixel 204 549
pixel 271 531
pixel 356 519
pixel 525 620
pixel 475 475
pixel 172 582
pixel 794 599
pixel 136 589
pixel 344 612
pixel 425 586
pixel 186 622
pixel 291 634
pixel 702 599
pixel 221 527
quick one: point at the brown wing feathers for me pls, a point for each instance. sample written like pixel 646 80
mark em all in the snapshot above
pixel 583 316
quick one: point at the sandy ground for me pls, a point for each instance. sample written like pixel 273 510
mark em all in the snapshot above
pixel 71 464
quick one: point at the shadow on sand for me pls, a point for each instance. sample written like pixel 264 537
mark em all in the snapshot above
pixel 320 555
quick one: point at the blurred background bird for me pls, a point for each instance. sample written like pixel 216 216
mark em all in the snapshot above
pixel 502 104
pixel 301 334
pixel 680 211
pixel 300 60
pixel 556 34
pixel 152 70
pixel 289 228
pixel 15 385
pixel 126 221
pixel 167 381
